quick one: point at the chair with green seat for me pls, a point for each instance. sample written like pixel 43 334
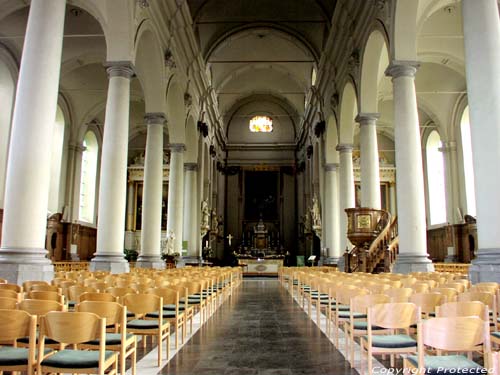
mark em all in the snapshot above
pixel 142 304
pixel 357 324
pixel 184 307
pixel 397 317
pixel 196 298
pixel 451 334
pixel 117 337
pixel 15 324
pixel 73 329
pixel 171 311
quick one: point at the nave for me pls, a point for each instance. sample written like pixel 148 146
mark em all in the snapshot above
pixel 259 331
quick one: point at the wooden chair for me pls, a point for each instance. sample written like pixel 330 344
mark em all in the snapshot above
pixel 463 308
pixel 427 302
pixel 15 324
pixel 393 316
pixel 450 293
pixel 7 293
pixel 16 288
pixel 357 325
pixel 119 292
pixel 119 340
pixel 183 306
pixel 44 287
pixel 196 298
pixel 28 284
pixel 453 334
pixel 141 304
pixel 75 328
pixel 176 317
pixel 489 299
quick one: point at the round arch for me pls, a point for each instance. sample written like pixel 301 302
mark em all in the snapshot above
pixel 191 154
pixel 176 112
pixel 348 112
pixel 404 37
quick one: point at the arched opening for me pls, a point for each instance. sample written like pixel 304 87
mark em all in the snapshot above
pixel 435 179
pixel 88 177
pixel 7 89
pixel 56 163
pixel 470 193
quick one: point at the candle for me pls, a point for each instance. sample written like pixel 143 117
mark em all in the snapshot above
pixel 206 243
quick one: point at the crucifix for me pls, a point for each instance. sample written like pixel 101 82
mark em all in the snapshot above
pixel 229 237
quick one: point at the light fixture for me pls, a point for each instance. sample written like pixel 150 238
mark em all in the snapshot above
pixel 261 124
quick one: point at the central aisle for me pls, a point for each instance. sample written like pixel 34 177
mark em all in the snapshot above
pixel 258 331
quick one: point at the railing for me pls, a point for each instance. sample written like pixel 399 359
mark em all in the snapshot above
pixel 70 266
pixel 462 268
pixel 381 254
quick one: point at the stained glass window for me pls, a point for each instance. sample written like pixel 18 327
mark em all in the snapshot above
pixel 261 124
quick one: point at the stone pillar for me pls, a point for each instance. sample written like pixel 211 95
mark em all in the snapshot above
pixel 130 206
pixel 176 194
pixel 150 256
pixel 449 150
pixel 75 176
pixel 409 176
pixel 482 57
pixel 346 191
pixel 392 198
pixel 370 173
pixel 109 254
pixel 191 225
pixel 22 253
pixel 331 216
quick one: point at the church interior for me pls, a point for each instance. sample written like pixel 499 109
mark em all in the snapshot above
pixel 308 144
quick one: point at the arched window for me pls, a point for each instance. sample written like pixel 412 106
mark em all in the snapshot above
pixel 435 179
pixel 470 193
pixel 88 177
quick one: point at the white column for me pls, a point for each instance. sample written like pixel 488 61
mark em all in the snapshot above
pixel 370 174
pixel 113 181
pixel 191 225
pixel 346 190
pixel 482 56
pixel 409 175
pixel 130 206
pixel 150 256
pixel 176 194
pixel 331 230
pixel 22 254
pixel 392 198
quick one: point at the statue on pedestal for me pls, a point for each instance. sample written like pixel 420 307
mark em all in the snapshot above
pixel 214 230
pixel 316 217
pixel 205 217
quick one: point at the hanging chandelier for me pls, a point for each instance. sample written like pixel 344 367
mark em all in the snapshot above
pixel 261 124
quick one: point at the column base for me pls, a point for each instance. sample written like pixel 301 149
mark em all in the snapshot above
pixel 486 266
pixel 188 260
pixel 109 262
pixel 330 261
pixel 412 263
pixel 18 265
pixel 150 261
pixel 341 264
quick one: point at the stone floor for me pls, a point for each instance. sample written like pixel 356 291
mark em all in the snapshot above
pixel 260 331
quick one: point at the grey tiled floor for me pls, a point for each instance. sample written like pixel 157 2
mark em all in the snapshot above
pixel 260 331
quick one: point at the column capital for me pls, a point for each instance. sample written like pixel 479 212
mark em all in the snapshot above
pixel 402 68
pixel 155 118
pixel 123 69
pixel 190 166
pixel 331 167
pixel 448 146
pixel 367 118
pixel 177 147
pixel 344 147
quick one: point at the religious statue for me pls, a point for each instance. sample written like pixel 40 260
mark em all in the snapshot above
pixel 170 243
pixel 205 216
pixel 315 214
pixel 215 223
pixel 307 223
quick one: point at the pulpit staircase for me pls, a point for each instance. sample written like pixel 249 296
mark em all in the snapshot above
pixel 374 234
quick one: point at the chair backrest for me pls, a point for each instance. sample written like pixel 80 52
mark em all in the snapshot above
pixel 112 311
pixel 9 293
pixel 398 294
pixel 170 296
pixel 44 287
pixel 488 299
pixel 15 324
pixel 39 306
pixel 96 296
pixel 459 287
pixel 344 294
pixel 8 303
pixel 74 291
pixel 142 303
pixel 420 287
pixel 47 295
pixel 28 284
pixel 463 308
pixel 458 333
pixel 393 315
pixel 450 293
pixel 427 301
pixel 72 327
pixel 360 303
pixel 14 287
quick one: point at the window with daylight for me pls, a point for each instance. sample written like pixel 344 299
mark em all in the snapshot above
pixel 470 193
pixel 88 178
pixel 261 124
pixel 435 179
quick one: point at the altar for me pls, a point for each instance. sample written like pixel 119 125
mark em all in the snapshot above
pixel 260 266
